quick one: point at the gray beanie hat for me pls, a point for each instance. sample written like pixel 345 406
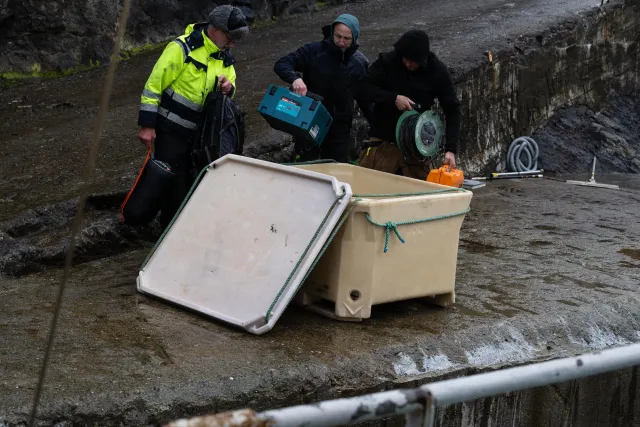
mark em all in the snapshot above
pixel 231 20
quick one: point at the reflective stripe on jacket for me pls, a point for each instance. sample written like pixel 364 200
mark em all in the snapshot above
pixel 182 78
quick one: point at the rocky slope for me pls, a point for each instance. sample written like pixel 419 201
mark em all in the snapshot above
pixel 42 36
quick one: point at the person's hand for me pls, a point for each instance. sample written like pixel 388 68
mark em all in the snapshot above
pixel 403 103
pixel 147 136
pixel 225 85
pixel 299 87
pixel 450 159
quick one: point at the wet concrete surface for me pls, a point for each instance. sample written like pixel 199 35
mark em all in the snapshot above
pixel 45 127
pixel 545 269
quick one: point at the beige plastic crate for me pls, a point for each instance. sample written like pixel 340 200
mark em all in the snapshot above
pixel 355 273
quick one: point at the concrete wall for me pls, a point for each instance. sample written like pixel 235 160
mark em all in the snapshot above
pixel 580 63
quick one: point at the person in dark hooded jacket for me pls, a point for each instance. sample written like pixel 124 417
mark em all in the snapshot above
pixel 406 78
pixel 328 68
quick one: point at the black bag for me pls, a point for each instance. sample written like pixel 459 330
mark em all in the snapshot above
pixel 144 201
pixel 219 132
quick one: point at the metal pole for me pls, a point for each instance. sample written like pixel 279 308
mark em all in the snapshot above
pixel 531 172
pixel 414 419
pixel 451 392
pixel 347 411
pixel 242 417
pixel 427 398
pixel 430 414
pixel 498 175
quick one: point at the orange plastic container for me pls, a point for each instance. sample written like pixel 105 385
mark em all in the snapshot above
pixel 446 175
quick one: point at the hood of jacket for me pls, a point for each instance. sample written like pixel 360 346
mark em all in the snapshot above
pixel 352 23
pixel 414 45
pixel 199 30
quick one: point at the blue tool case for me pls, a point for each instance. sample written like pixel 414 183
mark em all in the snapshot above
pixel 303 117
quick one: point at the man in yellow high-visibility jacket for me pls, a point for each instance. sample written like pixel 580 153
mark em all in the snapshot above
pixel 191 66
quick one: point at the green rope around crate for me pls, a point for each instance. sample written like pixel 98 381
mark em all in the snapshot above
pixel 393 226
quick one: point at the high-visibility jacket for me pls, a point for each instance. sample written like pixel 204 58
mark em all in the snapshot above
pixel 186 72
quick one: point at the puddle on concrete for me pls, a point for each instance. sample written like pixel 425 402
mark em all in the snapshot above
pixel 546 227
pixel 538 243
pixel 558 278
pixel 506 312
pixel 504 301
pixel 565 302
pixel 477 247
pixel 590 285
pixel 604 292
pixel 500 288
pixel 468 311
pixel 503 296
pixel 631 253
pixel 622 230
pixel 628 264
pixel 407 315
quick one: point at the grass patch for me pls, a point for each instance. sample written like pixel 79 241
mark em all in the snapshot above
pixel 131 51
pixel 12 78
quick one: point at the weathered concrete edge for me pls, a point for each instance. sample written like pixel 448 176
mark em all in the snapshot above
pixel 426 360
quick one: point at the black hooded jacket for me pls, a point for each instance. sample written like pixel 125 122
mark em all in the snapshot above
pixel 388 77
pixel 328 72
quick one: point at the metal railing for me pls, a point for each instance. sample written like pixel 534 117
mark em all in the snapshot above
pixel 419 404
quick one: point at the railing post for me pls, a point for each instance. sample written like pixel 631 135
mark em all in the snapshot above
pixel 414 419
pixel 426 416
pixel 429 413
